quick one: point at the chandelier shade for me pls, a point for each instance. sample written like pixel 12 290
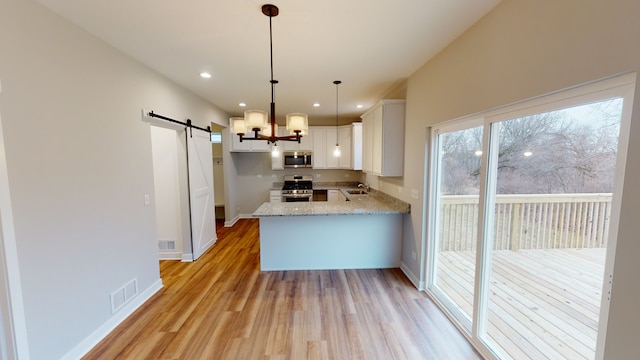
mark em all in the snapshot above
pixel 297 122
pixel 238 125
pixel 256 119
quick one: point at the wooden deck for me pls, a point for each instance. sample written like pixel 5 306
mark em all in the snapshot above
pixel 544 304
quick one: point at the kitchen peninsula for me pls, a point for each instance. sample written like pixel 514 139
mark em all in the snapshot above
pixel 363 232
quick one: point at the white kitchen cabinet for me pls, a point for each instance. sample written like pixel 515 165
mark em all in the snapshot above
pixel 383 139
pixel 356 146
pixel 247 145
pixel 330 145
pixel 306 141
pixel 345 161
pixel 319 135
pixel 333 195
pixel 324 142
pixel 275 196
pixel 367 146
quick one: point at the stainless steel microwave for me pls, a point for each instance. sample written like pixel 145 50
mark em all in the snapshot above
pixel 297 159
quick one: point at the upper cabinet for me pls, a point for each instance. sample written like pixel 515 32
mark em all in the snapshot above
pixel 247 145
pixel 356 146
pixel 324 142
pixel 321 141
pixel 345 161
pixel 320 148
pixel 383 139
pixel 306 141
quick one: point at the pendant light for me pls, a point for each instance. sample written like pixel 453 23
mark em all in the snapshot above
pixel 261 123
pixel 336 151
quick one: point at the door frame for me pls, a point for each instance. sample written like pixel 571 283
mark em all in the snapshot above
pixel 184 233
pixel 185 219
pixel 185 130
pixel 13 337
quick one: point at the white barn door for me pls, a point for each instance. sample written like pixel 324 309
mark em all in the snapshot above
pixel 203 223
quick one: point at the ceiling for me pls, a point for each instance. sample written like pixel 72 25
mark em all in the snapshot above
pixel 372 46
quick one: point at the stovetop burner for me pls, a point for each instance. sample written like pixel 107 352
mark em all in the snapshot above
pixel 298 183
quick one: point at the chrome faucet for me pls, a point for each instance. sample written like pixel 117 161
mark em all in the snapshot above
pixel 366 187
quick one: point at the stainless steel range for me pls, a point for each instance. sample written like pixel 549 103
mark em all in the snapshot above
pixel 297 188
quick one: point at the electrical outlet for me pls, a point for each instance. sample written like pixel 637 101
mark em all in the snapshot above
pixel 147 200
pixel 413 255
pixel 415 194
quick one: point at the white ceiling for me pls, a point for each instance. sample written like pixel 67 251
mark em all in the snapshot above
pixel 372 46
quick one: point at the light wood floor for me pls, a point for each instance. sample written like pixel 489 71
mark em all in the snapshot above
pixel 542 303
pixel 223 307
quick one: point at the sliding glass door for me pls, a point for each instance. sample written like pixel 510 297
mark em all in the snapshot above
pixel 523 207
pixel 457 184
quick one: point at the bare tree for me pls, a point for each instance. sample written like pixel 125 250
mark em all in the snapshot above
pixel 552 152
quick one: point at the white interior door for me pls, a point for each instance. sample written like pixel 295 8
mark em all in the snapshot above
pixel 203 223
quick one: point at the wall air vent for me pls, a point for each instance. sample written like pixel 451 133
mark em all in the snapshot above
pixel 123 295
pixel 167 245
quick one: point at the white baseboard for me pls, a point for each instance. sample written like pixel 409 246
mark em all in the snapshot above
pixel 246 216
pixel 412 277
pixel 92 340
pixel 169 255
pixel 231 222
pixel 187 257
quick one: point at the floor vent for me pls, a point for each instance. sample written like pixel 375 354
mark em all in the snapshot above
pixel 123 295
pixel 167 245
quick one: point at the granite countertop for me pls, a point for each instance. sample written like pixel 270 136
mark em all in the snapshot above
pixel 373 203
pixel 317 185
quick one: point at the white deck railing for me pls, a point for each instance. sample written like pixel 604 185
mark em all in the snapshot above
pixel 536 221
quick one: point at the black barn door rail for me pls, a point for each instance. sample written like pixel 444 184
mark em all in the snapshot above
pixel 188 124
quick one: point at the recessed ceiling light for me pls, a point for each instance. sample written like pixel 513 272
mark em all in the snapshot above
pixel 359 106
pixel 205 75
pixel 242 104
pixel 316 105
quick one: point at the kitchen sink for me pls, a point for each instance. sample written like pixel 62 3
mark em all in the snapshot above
pixel 357 192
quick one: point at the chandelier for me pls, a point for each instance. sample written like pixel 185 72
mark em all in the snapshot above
pixel 262 124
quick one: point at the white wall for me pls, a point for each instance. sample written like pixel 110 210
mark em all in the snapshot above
pixel 523 49
pixel 79 163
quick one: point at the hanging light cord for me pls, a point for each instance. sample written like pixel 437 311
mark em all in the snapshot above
pixel 273 82
pixel 337 82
